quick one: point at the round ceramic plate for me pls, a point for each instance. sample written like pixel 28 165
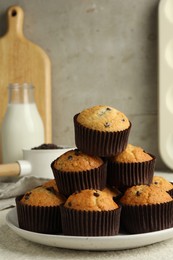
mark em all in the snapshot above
pixel 119 242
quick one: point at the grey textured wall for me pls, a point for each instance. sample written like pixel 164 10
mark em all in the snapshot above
pixel 102 52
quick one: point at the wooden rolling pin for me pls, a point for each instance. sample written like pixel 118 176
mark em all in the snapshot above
pixel 9 170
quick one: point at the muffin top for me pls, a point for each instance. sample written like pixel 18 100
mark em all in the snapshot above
pixel 162 183
pixel 42 196
pixel 132 154
pixel 103 118
pixel 75 160
pixel 90 200
pixel 51 184
pixel 145 195
pixel 113 192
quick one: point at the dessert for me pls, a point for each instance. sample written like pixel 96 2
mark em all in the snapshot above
pixel 101 130
pixel 132 167
pixel 38 210
pixel 90 213
pixel 146 208
pixel 75 171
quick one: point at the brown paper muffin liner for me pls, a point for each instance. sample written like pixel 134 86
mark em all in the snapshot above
pixel 100 143
pixel 90 223
pixel 45 220
pixel 147 218
pixel 124 175
pixel 70 182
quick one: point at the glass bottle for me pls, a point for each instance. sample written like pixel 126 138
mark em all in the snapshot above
pixel 22 127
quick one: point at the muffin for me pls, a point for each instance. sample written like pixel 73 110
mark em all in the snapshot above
pixel 51 184
pixel 101 131
pixel 164 184
pixel 146 208
pixel 132 167
pixel 113 192
pixel 38 210
pixel 90 213
pixel 75 171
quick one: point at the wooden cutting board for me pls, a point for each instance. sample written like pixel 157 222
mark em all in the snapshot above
pixel 23 61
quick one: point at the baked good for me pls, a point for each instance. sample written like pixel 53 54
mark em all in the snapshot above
pixel 146 208
pixel 51 184
pixel 42 197
pixel 103 118
pixel 101 130
pixel 133 166
pixel 75 171
pixel 132 154
pixel 90 213
pixel 44 204
pixel 145 195
pixel 113 192
pixel 162 183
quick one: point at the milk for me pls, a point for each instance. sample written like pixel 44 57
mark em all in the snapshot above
pixel 22 128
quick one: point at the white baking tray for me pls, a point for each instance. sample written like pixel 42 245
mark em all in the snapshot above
pixel 165 80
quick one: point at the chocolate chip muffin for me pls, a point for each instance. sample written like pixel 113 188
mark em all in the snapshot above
pixel 101 130
pixel 90 213
pixel 145 195
pixel 103 118
pixel 42 197
pixel 146 208
pixel 133 166
pixel 162 183
pixel 75 171
pixel 132 154
pixel 43 203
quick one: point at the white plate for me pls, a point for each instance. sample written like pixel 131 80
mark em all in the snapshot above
pixel 118 242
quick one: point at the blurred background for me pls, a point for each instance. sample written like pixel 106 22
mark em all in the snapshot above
pixel 102 52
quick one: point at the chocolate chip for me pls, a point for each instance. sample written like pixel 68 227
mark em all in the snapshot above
pixel 156 182
pixel 70 157
pixel 123 119
pixel 27 195
pixel 96 194
pixel 107 124
pixel 77 152
pixel 108 109
pixel 51 189
pixel 69 204
pixel 45 146
pixel 138 193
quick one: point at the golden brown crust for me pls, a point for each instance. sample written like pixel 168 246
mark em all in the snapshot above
pixel 162 183
pixel 103 118
pixel 42 196
pixel 51 183
pixel 144 195
pixel 75 161
pixel 91 200
pixel 132 154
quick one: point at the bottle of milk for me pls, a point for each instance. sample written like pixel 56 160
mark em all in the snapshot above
pixel 22 127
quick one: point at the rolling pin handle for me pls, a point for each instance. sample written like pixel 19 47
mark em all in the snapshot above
pixel 11 169
pixel 25 167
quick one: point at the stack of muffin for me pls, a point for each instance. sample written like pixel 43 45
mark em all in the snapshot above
pixel 85 193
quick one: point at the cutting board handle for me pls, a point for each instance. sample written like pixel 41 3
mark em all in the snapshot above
pixel 15 16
